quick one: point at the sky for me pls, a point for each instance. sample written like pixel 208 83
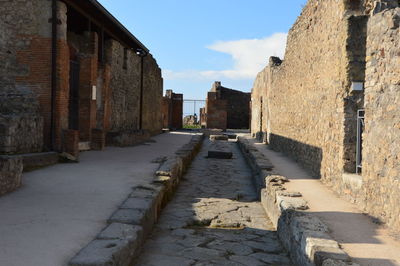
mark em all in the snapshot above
pixel 197 42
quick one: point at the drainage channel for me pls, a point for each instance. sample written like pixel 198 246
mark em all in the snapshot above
pixel 214 217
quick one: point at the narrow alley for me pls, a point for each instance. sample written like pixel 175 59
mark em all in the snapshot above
pixel 214 218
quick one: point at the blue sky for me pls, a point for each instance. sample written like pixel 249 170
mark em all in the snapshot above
pixel 197 42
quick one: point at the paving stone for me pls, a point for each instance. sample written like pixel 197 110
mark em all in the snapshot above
pixel 214 219
pixel 220 154
pixel 199 253
pixel 246 260
pixel 272 259
pixel 271 246
pixel 219 262
pixel 219 137
pixel 231 248
pixel 164 260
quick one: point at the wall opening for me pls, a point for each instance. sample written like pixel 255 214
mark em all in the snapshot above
pixel 354 101
pixel 360 130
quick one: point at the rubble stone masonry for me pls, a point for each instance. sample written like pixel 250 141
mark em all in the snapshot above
pixel 152 96
pixel 381 145
pixel 125 87
pixel 303 103
pixel 21 125
pixel 306 107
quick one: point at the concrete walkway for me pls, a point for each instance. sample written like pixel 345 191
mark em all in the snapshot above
pixel 60 209
pixel 365 241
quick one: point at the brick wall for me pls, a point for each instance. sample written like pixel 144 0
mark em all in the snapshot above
pixel 27 77
pixel 27 71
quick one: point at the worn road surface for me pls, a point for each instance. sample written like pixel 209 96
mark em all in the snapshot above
pixel 214 218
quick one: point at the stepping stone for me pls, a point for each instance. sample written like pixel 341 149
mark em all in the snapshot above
pixel 219 137
pixel 220 154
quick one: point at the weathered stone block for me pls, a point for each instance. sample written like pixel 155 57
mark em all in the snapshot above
pixel 137 203
pixel 105 253
pixel 128 216
pixel 171 167
pixel 10 173
pixel 122 232
pixel 220 154
pixel 37 160
pixel 218 137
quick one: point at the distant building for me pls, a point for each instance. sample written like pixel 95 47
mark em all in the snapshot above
pixel 172 110
pixel 226 108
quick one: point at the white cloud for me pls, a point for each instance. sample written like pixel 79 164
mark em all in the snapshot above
pixel 249 57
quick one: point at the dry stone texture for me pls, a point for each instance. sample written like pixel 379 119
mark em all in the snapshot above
pixel 125 86
pixel 381 168
pixel 305 106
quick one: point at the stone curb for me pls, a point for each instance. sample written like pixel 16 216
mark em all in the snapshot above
pixel 120 242
pixel 304 235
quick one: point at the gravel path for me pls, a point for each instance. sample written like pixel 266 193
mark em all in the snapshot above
pixel 214 218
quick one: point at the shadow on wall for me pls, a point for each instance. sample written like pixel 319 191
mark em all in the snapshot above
pixel 310 157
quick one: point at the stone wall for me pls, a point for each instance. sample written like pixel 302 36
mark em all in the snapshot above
pixel 381 145
pixel 152 96
pixel 302 98
pixel 124 86
pixel 227 108
pixel 306 106
pixel 216 115
pixel 21 123
pixel 237 108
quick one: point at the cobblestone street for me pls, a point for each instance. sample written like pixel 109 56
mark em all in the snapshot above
pixel 214 218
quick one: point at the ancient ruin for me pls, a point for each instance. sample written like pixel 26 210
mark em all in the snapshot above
pixel 226 108
pixel 70 83
pixel 332 103
pixel 172 110
pixel 314 182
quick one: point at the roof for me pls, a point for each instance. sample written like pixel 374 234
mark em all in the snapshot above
pixel 100 16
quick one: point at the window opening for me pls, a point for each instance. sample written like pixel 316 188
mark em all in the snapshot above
pixel 360 130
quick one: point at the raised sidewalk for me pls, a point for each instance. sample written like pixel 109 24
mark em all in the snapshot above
pixel 62 208
pixel 311 218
